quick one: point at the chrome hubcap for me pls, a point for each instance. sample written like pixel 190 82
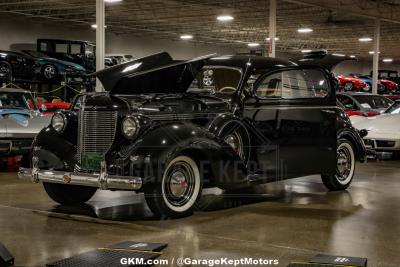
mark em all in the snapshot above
pixel 180 183
pixel 344 163
pixel 4 70
pixel 49 72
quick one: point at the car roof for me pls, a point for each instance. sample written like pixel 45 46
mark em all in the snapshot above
pixel 65 40
pixel 13 90
pixel 243 61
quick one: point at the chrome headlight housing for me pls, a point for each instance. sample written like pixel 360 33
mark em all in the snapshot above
pixel 130 126
pixel 59 122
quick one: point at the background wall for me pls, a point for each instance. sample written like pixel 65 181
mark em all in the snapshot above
pixel 21 33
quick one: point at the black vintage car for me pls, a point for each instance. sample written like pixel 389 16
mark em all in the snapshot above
pixel 170 128
pixel 79 52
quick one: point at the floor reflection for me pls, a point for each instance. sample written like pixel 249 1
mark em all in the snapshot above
pixel 128 206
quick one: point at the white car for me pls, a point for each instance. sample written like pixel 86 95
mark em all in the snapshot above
pixel 383 130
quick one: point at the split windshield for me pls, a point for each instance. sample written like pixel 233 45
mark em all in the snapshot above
pixel 216 80
pixel 16 100
pixel 374 102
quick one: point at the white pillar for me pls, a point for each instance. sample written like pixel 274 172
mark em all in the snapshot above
pixel 272 28
pixel 375 66
pixel 100 40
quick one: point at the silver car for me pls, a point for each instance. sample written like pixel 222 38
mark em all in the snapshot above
pixel 20 121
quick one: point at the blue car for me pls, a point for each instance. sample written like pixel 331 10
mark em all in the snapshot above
pixel 368 80
pixel 54 70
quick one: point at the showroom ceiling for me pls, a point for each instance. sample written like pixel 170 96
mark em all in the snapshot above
pixel 337 25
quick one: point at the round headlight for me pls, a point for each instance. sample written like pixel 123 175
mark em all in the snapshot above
pixel 58 122
pixel 130 126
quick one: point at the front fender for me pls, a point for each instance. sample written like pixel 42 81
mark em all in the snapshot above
pixel 218 162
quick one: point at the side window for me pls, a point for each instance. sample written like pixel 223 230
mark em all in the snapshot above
pixel 43 47
pixel 76 49
pixel 62 48
pixel 291 84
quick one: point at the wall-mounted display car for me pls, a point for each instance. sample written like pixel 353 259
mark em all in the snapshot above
pixel 171 128
pixel 79 52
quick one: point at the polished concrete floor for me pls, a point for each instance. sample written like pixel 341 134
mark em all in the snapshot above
pixel 289 221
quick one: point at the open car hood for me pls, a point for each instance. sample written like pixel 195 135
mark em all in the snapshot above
pixel 157 73
pixel 322 59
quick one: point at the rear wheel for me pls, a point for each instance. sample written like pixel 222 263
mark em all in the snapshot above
pixel 177 193
pixel 346 162
pixel 49 72
pixel 69 194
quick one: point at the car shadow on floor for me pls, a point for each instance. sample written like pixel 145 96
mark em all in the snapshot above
pixel 280 200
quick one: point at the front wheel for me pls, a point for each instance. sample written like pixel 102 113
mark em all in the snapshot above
pixel 348 86
pixel 346 163
pixel 176 194
pixel 69 194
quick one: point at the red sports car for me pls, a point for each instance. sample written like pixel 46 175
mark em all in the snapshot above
pixel 389 85
pixel 52 103
pixel 351 83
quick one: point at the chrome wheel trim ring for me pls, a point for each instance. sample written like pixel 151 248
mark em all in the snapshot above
pixel 367 88
pixel 49 72
pixel 235 141
pixel 181 184
pixel 345 163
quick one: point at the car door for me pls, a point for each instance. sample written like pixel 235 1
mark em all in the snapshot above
pixel 294 110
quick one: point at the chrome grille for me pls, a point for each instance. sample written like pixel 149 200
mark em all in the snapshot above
pixel 96 131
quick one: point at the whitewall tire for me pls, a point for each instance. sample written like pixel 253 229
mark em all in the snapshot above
pixel 345 167
pixel 178 191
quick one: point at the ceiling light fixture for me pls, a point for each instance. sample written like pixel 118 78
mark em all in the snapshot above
pixel 276 39
pixel 387 60
pixel 186 37
pixel 372 52
pixel 365 39
pixel 94 26
pixel 253 44
pixel 304 30
pixel 338 55
pixel 352 56
pixel 225 18
pixel 112 1
pixel 306 51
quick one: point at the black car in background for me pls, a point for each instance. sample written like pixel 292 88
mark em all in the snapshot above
pixel 16 65
pixel 171 128
pixel 79 52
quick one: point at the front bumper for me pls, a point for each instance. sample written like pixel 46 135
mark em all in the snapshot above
pixel 100 180
pixel 382 144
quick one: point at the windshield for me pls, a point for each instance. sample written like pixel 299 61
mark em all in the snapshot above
pixel 216 80
pixel 373 101
pixel 36 54
pixel 394 109
pixel 17 100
